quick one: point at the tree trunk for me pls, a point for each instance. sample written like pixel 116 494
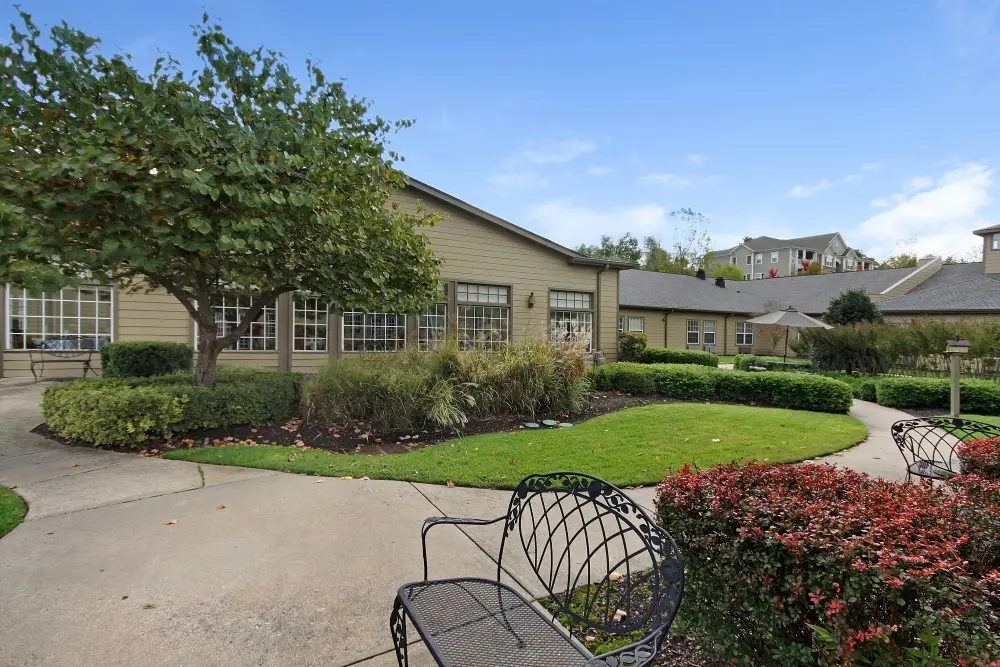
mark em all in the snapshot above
pixel 208 349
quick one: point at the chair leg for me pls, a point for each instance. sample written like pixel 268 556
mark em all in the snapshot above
pixel 397 626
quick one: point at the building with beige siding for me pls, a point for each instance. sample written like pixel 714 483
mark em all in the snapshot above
pixel 690 312
pixel 500 283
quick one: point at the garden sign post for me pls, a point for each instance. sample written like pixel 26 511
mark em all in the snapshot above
pixel 956 350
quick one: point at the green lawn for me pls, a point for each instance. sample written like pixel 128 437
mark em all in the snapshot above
pixel 638 446
pixel 12 510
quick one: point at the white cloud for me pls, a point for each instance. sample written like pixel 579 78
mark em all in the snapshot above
pixel 598 170
pixel 939 214
pixel 668 180
pixel 557 152
pixel 801 191
pixel 570 224
pixel 697 159
pixel 518 180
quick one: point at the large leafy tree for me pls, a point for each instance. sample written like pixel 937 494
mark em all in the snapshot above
pixel 903 260
pixel 238 177
pixel 852 306
pixel 625 248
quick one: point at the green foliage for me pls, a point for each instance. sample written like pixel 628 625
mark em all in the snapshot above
pixel 446 386
pixel 143 358
pixel 129 411
pixel 783 390
pixel 632 345
pixel 727 271
pixel 744 362
pixel 853 306
pixel 977 396
pixel 862 386
pixel 846 349
pixel 110 413
pixel 12 510
pixel 900 261
pixel 669 355
pixel 625 248
pixel 235 175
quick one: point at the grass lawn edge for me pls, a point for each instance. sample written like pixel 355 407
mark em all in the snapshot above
pixel 13 509
pixel 642 434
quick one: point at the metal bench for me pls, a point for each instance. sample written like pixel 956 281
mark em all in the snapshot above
pixel 603 561
pixel 929 444
pixel 62 350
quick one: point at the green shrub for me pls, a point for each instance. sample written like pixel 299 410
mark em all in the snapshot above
pixel 977 396
pixel 847 349
pixel 819 565
pixel 630 377
pixel 110 413
pixel 668 355
pixel 446 386
pixel 128 411
pixel 862 386
pixel 144 358
pixel 631 345
pixel 744 362
pixel 685 381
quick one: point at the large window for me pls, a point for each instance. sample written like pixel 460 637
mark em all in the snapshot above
pixel 262 335
pixel 483 315
pixel 310 317
pixel 571 317
pixel 693 332
pixel 709 329
pixel 744 333
pixel 373 332
pixel 432 327
pixel 637 324
pixel 81 316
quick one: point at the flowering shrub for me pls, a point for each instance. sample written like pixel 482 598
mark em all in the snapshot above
pixel 811 564
pixel 980 456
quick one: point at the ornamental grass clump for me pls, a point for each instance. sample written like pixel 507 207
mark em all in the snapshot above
pixel 812 564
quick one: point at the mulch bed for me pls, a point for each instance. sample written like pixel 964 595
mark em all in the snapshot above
pixel 362 437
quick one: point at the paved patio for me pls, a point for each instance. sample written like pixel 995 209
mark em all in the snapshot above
pixel 259 568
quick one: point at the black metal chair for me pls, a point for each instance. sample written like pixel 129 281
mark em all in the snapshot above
pixel 628 577
pixel 929 444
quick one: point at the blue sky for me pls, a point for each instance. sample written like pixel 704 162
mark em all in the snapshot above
pixel 880 120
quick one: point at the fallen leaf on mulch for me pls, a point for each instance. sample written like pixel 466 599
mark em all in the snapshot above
pixel 220 507
pixel 171 522
pixel 451 484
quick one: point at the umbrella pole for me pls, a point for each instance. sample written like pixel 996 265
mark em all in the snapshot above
pixel 785 359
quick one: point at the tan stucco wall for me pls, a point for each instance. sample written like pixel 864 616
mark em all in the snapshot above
pixel 471 250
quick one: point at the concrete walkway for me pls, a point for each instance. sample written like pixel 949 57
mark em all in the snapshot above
pixel 878 455
pixel 126 560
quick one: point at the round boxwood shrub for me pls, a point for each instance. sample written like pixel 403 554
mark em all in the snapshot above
pixel 145 358
pixel 631 345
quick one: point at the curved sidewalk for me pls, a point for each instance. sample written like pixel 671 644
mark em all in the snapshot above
pixel 877 455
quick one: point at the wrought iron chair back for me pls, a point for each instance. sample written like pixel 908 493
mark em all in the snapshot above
pixel 66 347
pixel 929 444
pixel 596 552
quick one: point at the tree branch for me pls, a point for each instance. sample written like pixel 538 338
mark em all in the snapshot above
pixel 257 307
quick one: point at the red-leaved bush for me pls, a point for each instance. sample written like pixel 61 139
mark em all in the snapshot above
pixel 812 564
pixel 980 457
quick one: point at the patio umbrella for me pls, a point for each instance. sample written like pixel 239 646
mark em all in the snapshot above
pixel 790 319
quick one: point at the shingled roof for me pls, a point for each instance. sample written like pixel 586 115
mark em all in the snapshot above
pixel 761 243
pixel 954 288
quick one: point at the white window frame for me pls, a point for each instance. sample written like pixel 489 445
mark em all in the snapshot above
pixel 640 327
pixel 248 335
pixel 696 331
pixel 774 257
pixel 735 261
pixel 621 325
pixel 750 259
pixel 708 329
pixel 438 312
pixel 61 318
pixel 310 305
pixel 573 310
pixel 996 241
pixel 744 333
pixel 375 343
pixel 759 276
pixel 758 258
pixel 478 302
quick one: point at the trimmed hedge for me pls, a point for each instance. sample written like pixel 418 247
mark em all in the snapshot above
pixel 743 362
pixel 669 355
pixel 631 345
pixel 862 386
pixel 685 381
pixel 145 358
pixel 977 396
pixel 129 411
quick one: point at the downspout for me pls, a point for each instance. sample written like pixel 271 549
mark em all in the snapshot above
pixel 666 326
pixel 597 314
pixel 725 333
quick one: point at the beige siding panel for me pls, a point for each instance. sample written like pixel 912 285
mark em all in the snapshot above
pixel 653 322
pixel 917 276
pixel 991 257
pixel 609 315
pixel 153 316
pixel 260 359
pixel 473 250
pixel 308 362
pixel 677 330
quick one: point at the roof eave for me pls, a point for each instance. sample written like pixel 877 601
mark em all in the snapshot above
pixel 602 261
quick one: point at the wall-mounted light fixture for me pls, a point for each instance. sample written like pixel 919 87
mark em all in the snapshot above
pixel 531 300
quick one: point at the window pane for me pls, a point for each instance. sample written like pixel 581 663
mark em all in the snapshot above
pixel 37 319
pixel 432 326
pixel 473 293
pixel 231 309
pixel 483 326
pixel 310 332
pixel 636 324
pixel 373 332
pixel 572 326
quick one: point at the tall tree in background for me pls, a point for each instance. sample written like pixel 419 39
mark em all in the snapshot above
pixel 853 306
pixel 900 261
pixel 239 177
pixel 625 248
pixel 727 271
